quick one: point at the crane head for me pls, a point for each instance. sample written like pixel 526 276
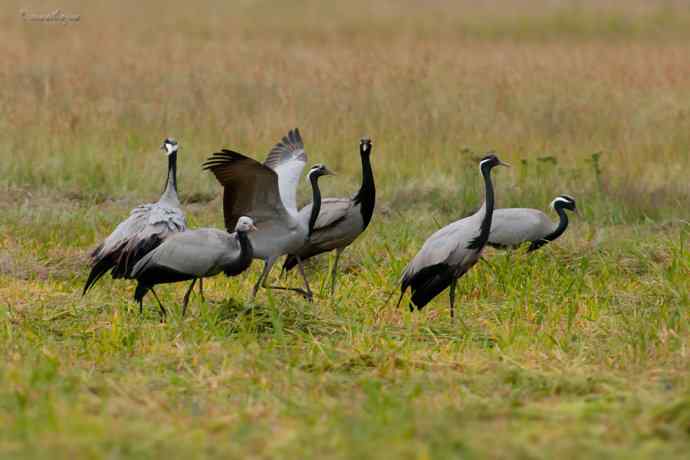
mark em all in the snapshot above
pixel 564 202
pixel 489 161
pixel 365 145
pixel 245 224
pixel 169 146
pixel 319 170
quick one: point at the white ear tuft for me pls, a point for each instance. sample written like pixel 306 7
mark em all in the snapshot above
pixel 560 199
pixel 170 147
pixel 482 162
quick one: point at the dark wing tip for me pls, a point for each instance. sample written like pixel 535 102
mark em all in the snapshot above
pixel 296 137
pixel 475 243
pixel 290 146
pixel 289 263
pixel 293 140
pixel 222 158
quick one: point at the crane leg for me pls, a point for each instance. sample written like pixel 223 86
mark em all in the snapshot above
pixel 261 282
pixel 201 289
pixel 164 312
pixel 451 294
pixel 402 293
pixel 309 294
pixel 186 296
pixel 283 273
pixel 335 269
pixel 306 293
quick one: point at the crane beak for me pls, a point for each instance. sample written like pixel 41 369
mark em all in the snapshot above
pixel 253 228
pixel 503 163
pixel 577 213
pixel 328 172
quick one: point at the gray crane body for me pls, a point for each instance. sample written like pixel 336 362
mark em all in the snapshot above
pixel 340 220
pixel 451 251
pixel 448 247
pixel 145 228
pixel 339 224
pixel 196 253
pixel 281 239
pixel 513 226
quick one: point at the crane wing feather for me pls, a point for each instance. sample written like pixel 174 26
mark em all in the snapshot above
pixel 249 189
pixel 288 158
pixel 446 246
pixel 144 229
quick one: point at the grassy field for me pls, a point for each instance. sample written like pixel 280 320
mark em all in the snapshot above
pixel 579 350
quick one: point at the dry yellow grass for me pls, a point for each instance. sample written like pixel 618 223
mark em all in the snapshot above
pixel 81 102
pixel 578 350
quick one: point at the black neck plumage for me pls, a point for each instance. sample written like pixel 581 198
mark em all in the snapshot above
pixel 246 249
pixel 366 196
pixel 562 225
pixel 171 180
pixel 246 255
pixel 316 202
pixel 485 227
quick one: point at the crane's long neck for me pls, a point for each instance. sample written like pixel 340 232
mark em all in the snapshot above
pixel 170 191
pixel 488 211
pixel 246 249
pixel 367 192
pixel 560 228
pixel 316 203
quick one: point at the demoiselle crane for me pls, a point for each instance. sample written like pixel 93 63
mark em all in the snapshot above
pixel 192 255
pixel 511 227
pixel 451 251
pixel 251 188
pixel 145 228
pixel 341 220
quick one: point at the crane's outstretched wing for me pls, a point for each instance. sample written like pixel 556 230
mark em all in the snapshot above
pixel 288 158
pixel 250 189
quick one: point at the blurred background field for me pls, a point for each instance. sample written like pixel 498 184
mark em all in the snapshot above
pixel 84 105
pixel 580 350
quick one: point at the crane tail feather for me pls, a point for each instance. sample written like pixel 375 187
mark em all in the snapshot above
pixel 99 269
pixel 140 292
pixel 430 282
pixel 291 260
pixel 290 263
pixel 131 254
pixel 534 245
